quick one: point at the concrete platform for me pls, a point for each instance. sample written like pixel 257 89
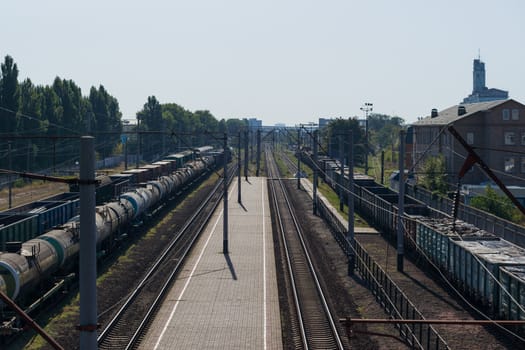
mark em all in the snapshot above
pixel 226 301
pixel 309 188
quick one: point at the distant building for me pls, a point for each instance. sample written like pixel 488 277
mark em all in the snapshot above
pixel 323 122
pixel 480 93
pixel 496 130
pixel 280 125
pixel 254 123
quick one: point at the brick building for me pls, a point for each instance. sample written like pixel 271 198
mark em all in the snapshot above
pixel 496 130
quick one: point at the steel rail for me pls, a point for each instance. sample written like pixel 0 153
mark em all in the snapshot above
pixel 105 334
pixel 335 340
pixel 273 173
pixel 157 302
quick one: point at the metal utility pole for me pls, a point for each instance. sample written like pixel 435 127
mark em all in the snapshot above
pixel 28 159
pixel 54 156
pixel 239 170
pixel 341 178
pixel 225 197
pixel 88 244
pixel 367 107
pixel 314 202
pixel 138 142
pixel 126 155
pixel 163 138
pixel 9 175
pixel 382 167
pixel 298 175
pixel 401 201
pixel 351 236
pixel 258 152
pixel 246 155
pixel 252 136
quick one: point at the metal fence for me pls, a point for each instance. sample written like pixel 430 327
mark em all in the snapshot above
pixel 505 229
pixel 386 292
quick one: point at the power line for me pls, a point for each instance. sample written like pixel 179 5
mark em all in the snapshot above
pixel 439 271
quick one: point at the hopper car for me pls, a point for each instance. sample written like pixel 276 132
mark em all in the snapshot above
pixel 487 269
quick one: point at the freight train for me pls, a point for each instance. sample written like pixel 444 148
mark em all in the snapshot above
pixel 27 221
pixel 487 269
pixel 57 249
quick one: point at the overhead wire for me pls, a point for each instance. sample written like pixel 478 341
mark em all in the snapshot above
pixel 432 263
pixel 426 257
pixel 492 169
pixel 76 132
pixel 458 293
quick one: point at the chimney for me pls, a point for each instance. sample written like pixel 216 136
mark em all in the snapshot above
pixel 434 113
pixel 461 110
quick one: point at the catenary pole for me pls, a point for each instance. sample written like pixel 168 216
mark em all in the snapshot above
pixel 9 176
pixel 340 183
pixel 314 202
pixel 382 167
pixel 126 155
pixel 258 152
pixel 298 175
pixel 401 201
pixel 246 155
pixel 239 170
pixel 225 197
pixel 138 143
pixel 351 236
pixel 88 243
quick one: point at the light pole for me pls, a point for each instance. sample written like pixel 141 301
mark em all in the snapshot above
pixel 367 107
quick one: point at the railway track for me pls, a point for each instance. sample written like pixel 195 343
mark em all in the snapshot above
pixel 131 321
pixel 314 325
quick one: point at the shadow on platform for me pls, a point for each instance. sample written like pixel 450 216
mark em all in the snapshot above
pixel 230 266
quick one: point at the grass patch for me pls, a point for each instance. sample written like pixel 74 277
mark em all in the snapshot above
pixel 69 313
pixel 151 232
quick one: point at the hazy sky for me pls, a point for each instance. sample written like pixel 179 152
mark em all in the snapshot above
pixel 280 61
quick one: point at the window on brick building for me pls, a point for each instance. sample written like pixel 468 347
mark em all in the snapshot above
pixel 523 164
pixel 510 138
pixel 470 138
pixel 506 114
pixel 515 114
pixel 509 164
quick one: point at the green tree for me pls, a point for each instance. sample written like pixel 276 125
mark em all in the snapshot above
pixel 177 121
pixel 493 203
pixel 233 125
pixel 104 116
pixel 29 122
pixel 52 112
pixel 9 96
pixel 383 131
pixel 150 119
pixel 206 125
pixel 71 108
pixel 51 109
pixel 339 128
pixel 387 140
pixel 70 96
pixel 151 114
pixel 434 177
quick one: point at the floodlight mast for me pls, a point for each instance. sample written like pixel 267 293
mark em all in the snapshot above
pixel 367 107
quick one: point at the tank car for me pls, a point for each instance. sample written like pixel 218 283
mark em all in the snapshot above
pixel 21 272
pixel 58 248
pixel 65 241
